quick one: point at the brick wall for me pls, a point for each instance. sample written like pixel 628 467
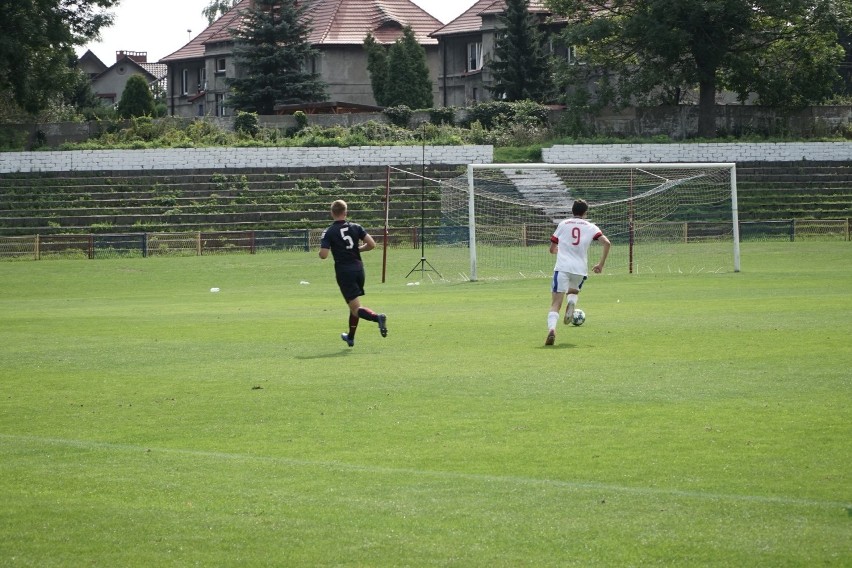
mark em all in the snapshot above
pixel 708 152
pixel 270 158
pixel 239 158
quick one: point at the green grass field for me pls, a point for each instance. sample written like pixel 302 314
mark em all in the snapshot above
pixel 694 420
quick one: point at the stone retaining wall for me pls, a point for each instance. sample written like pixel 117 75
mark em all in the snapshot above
pixel 705 152
pixel 271 158
pixel 239 158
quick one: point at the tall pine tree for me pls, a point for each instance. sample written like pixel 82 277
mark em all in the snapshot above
pixel 408 80
pixel 521 67
pixel 272 51
pixel 377 67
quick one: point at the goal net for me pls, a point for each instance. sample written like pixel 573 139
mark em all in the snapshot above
pixel 659 217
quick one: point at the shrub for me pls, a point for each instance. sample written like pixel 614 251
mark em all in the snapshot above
pixel 301 119
pixel 143 128
pixel 444 115
pixel 11 139
pixel 489 114
pixel 136 100
pixel 399 115
pixel 246 123
pixel 373 132
pixel 530 113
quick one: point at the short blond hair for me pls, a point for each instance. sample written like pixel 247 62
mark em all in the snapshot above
pixel 338 208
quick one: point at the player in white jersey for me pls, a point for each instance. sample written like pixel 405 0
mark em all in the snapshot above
pixel 570 243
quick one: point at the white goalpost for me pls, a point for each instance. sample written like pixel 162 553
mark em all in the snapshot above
pixel 676 217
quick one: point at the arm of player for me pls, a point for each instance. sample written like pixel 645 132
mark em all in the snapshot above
pixel 598 268
pixel 369 243
pixel 323 253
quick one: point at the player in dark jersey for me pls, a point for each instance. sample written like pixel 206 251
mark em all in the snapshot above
pixel 346 241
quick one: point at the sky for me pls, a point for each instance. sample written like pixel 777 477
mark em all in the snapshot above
pixel 161 27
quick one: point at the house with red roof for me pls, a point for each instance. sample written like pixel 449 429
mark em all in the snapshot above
pixel 466 45
pixel 108 82
pixel 198 71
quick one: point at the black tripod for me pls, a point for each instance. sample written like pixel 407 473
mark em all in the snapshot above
pixel 423 263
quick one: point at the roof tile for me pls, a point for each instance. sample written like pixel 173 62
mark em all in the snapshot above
pixel 333 22
pixel 470 20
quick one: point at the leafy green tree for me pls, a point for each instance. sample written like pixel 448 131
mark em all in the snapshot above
pixel 161 108
pixel 217 9
pixel 272 51
pixel 521 68
pixel 845 86
pixel 79 96
pixel 136 100
pixel 37 38
pixel 377 67
pixel 408 80
pixel 794 73
pixel 635 50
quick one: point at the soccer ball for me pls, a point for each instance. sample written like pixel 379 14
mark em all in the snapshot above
pixel 579 317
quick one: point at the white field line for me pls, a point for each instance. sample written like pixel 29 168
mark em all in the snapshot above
pixel 477 477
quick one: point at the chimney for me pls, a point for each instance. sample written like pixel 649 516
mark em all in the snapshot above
pixel 137 56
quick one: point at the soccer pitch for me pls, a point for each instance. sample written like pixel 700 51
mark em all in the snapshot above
pixel 694 420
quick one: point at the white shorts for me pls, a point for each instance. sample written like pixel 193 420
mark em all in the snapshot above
pixel 564 281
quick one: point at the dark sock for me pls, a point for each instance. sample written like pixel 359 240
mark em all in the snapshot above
pixel 368 314
pixel 353 326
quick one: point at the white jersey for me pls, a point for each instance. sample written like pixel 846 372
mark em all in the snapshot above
pixel 574 236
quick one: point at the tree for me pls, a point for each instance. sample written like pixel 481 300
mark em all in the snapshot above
pixel 79 95
pixel 377 67
pixel 407 80
pixel 136 100
pixel 639 49
pixel 845 86
pixel 37 38
pixel 521 68
pixel 272 50
pixel 217 9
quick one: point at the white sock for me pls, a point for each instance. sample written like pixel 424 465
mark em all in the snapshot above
pixel 552 318
pixel 572 299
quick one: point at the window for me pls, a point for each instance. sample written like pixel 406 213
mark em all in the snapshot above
pixel 572 55
pixel 474 56
pixel 184 81
pixel 220 105
pixel 201 110
pixel 220 66
pixel 558 49
pixel 202 79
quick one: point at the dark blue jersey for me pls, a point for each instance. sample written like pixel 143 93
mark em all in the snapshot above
pixel 342 239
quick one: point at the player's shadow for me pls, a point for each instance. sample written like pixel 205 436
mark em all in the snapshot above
pixel 342 353
pixel 559 346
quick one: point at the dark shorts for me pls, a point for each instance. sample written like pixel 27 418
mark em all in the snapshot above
pixel 351 283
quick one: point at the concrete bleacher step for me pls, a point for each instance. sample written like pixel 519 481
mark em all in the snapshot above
pixel 543 189
pixel 240 200
pixel 819 190
pixel 210 200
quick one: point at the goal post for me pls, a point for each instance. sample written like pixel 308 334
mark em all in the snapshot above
pixel 660 216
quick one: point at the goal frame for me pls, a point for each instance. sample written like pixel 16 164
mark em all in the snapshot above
pixel 471 168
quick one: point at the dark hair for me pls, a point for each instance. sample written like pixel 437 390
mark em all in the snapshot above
pixel 580 207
